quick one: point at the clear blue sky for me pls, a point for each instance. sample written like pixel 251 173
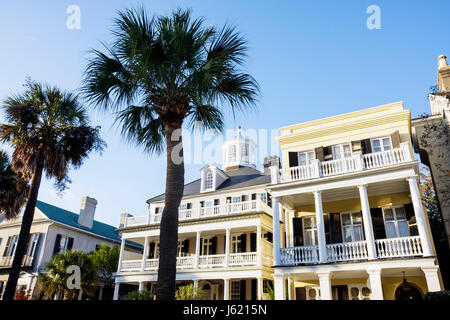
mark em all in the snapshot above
pixel 312 59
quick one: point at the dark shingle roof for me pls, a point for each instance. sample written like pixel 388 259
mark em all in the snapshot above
pixel 239 178
pixel 71 219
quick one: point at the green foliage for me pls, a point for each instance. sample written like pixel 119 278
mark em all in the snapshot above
pixel 438 295
pixel 139 295
pixel 13 188
pixel 106 259
pixel 270 291
pixel 189 292
pixel 55 279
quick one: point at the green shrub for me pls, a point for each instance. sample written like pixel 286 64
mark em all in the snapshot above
pixel 189 292
pixel 438 295
pixel 139 295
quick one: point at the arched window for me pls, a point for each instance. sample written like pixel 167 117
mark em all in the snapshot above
pixel 208 180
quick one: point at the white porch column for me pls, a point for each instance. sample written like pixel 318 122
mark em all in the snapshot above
pixel 197 250
pixel 420 217
pixel 195 286
pixel 226 289
pixel 289 288
pixel 144 254
pixel 227 246
pixel 122 248
pixel 259 290
pixel 320 227
pixel 141 285
pixel 325 285
pixel 279 287
pixel 432 277
pixel 367 222
pixel 375 284
pixel 116 291
pixel 258 244
pixel 290 230
pixel 276 231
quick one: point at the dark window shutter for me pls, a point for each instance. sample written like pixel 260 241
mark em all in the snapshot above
pixel 300 293
pixel 243 287
pixel 70 244
pixel 356 146
pixel 189 205
pixel 269 200
pixel 293 159
pixel 228 199
pixel 319 154
pixel 335 226
pixel 254 297
pixel 186 246
pixel 202 204
pixel 366 147
pixel 378 223
pixel 253 196
pixel 327 153
pixel 269 237
pixel 326 222
pixel 151 251
pixel 243 198
pixel 253 242
pixel 395 138
pixel 213 247
pixel 243 242
pixel 297 226
pixel 216 202
pixel 8 245
pixel 57 246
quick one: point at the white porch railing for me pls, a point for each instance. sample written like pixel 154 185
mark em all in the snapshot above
pixel 185 262
pixel 27 261
pixel 399 247
pixel 354 163
pixel 185 214
pixel 299 255
pixel 151 264
pixel 131 265
pixel 347 251
pixel 243 259
pixel 212 261
pixel 134 221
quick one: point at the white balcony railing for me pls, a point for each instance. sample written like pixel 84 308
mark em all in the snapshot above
pixel 243 259
pixel 212 261
pixel 354 163
pixel 399 247
pixel 347 251
pixel 134 221
pixel 299 255
pixel 6 262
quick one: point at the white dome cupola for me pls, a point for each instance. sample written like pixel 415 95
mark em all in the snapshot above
pixel 239 151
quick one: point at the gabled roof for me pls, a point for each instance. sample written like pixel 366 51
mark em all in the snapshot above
pixel 71 219
pixel 238 178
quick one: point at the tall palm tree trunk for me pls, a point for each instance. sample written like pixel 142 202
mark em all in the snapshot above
pixel 165 288
pixel 24 234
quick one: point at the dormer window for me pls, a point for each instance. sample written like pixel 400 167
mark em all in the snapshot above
pixel 208 180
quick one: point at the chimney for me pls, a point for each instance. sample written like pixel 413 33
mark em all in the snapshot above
pixel 123 217
pixel 269 162
pixel 87 212
pixel 443 74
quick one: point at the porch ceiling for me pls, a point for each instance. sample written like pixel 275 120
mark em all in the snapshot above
pixel 342 193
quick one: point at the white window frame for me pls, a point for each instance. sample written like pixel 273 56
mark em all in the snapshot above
pixel 310 155
pixel 340 146
pixel 33 244
pixel 236 243
pixel 206 243
pixel 236 199
pixel 180 248
pixel 235 289
pixel 352 226
pixel 313 231
pixel 209 180
pixel 395 221
pixel 13 246
pixel 380 140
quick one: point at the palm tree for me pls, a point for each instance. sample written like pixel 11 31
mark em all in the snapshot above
pixel 13 189
pixel 54 281
pixel 157 74
pixel 49 131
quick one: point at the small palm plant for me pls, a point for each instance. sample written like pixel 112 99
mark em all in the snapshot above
pixel 49 132
pixel 189 292
pixel 159 74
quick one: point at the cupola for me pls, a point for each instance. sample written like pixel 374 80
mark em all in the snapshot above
pixel 239 152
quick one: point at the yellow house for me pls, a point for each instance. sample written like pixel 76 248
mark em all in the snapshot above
pixel 352 220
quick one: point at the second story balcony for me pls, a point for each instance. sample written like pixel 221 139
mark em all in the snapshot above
pixel 200 212
pixel 354 163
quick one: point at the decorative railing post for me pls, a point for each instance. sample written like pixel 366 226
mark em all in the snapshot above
pixel 275 174
pixel 404 146
pixel 315 168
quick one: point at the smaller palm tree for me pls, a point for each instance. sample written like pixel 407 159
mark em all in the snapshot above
pixel 13 189
pixel 54 282
pixel 49 131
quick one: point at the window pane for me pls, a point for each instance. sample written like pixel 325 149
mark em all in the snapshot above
pixel 357 218
pixel 388 215
pixel 346 219
pixel 390 230
pixel 376 143
pixel 307 223
pixel 400 213
pixel 357 230
pixel 347 150
pixel 347 234
pixel 403 229
pixel 387 144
